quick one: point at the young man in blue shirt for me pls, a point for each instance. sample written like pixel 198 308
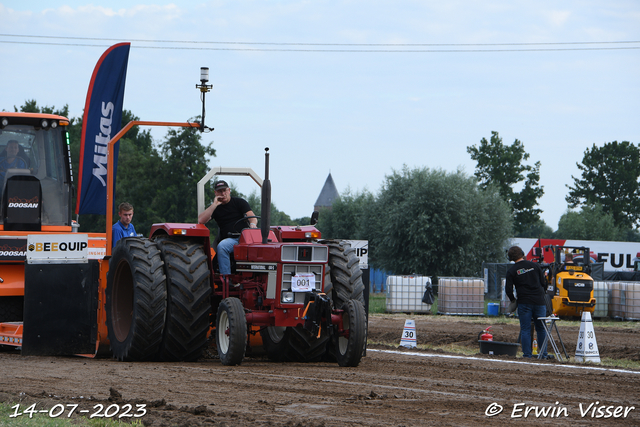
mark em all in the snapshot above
pixel 123 228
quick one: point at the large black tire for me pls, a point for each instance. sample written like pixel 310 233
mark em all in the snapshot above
pixel 11 309
pixel 188 299
pixel 343 277
pixel 275 341
pixel 343 282
pixel 136 300
pixel 349 349
pixel 293 344
pixel 307 348
pixel 231 332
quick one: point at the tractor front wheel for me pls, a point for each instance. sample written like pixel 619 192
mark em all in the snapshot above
pixel 349 349
pixel 231 332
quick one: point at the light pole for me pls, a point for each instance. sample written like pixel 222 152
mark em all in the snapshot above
pixel 204 88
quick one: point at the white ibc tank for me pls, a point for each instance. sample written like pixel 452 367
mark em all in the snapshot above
pixel 404 294
pixel 616 299
pixel 632 301
pixel 601 294
pixel 461 296
pixel 624 302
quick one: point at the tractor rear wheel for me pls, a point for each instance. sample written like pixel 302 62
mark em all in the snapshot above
pixel 231 331
pixel 305 347
pixel 11 309
pixel 343 277
pixel 293 344
pixel 343 282
pixel 275 341
pixel 188 299
pixel 349 349
pixel 136 300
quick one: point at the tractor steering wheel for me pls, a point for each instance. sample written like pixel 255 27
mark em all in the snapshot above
pixel 240 220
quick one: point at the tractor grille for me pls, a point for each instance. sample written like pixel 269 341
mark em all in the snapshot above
pixel 290 270
pixel 578 290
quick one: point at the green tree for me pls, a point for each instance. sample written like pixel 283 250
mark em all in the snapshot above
pixel 610 178
pixel 184 163
pixel 348 217
pixel 537 230
pixel 501 166
pixel 136 183
pixel 591 223
pixel 437 223
pixel 31 106
pixel 277 217
pixel 138 165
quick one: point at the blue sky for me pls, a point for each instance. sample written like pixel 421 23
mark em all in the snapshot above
pixel 324 105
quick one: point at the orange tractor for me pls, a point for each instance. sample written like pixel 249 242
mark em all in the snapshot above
pixel 160 298
pixel 35 218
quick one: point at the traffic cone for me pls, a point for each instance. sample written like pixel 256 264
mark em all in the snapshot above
pixel 409 334
pixel 535 348
pixel 587 347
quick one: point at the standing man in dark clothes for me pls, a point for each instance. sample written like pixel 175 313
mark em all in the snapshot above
pixel 529 281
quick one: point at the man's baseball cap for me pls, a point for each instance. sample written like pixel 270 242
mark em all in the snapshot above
pixel 220 185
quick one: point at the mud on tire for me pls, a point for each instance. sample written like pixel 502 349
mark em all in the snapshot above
pixel 136 299
pixel 188 299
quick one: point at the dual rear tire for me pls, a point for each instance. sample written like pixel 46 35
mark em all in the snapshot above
pixel 158 299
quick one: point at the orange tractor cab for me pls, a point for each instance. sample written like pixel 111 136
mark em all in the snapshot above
pixel 38 243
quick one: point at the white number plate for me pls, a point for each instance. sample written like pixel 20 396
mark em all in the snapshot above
pixel 303 282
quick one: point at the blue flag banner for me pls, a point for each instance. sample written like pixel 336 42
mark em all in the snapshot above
pixel 101 122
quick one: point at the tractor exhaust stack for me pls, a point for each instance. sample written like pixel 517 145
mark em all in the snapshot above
pixel 266 199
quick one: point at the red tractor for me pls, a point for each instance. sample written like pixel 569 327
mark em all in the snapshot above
pixel 302 295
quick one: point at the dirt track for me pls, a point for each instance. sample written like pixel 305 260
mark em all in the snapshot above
pixel 389 388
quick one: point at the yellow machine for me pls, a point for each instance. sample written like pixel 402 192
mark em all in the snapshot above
pixel 570 284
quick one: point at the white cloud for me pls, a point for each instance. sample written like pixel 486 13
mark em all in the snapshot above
pixel 558 17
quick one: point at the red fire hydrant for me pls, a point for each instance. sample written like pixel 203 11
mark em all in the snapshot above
pixel 486 336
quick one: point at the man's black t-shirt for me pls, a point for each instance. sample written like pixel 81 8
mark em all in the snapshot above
pixel 226 216
pixel 529 281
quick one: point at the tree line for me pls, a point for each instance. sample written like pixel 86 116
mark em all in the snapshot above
pixel 421 220
pixel 433 222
